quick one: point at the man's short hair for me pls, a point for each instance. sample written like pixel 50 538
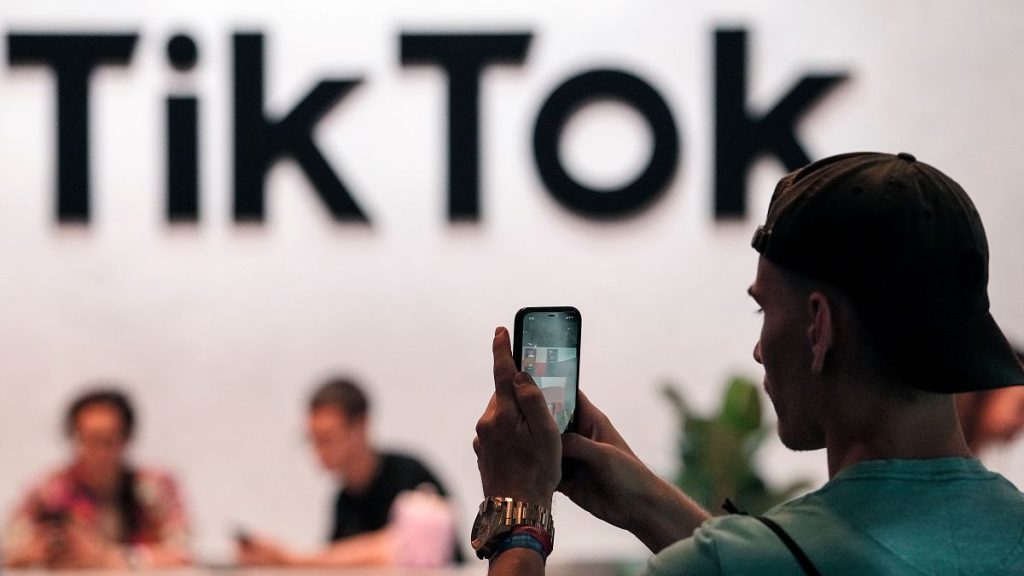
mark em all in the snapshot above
pixel 106 396
pixel 343 394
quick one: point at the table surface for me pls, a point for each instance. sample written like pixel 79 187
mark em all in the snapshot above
pixel 470 569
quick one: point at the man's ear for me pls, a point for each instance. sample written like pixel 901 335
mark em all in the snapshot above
pixel 821 332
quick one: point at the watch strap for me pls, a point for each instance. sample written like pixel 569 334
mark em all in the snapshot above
pixel 520 513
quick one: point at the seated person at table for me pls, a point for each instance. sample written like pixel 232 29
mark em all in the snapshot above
pixel 390 511
pixel 99 511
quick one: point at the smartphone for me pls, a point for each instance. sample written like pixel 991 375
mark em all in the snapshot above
pixel 547 347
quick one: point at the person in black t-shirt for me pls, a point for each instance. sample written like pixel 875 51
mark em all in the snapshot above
pixel 358 512
pixel 368 528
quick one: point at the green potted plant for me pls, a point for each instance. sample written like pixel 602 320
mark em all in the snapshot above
pixel 717 453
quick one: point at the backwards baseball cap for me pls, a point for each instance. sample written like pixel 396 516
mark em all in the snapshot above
pixel 906 244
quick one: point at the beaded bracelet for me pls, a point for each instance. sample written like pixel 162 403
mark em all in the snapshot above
pixel 545 538
pixel 521 540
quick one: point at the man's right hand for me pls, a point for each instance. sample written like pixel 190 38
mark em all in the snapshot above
pixel 261 552
pixel 607 479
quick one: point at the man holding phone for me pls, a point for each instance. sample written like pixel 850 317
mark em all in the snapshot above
pixel 873 285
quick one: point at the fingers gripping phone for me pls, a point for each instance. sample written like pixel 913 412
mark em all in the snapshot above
pixel 547 347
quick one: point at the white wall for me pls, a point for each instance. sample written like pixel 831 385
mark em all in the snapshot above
pixel 221 330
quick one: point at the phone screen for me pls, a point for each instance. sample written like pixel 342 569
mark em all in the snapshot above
pixel 549 351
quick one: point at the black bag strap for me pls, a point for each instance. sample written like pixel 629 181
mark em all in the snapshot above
pixel 794 549
pixel 797 552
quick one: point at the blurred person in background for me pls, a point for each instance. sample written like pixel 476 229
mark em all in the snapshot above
pixel 390 510
pixel 990 418
pixel 99 511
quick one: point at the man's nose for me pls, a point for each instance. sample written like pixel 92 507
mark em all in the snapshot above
pixel 757 352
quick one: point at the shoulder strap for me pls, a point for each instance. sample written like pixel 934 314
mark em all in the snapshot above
pixel 805 563
pixel 798 553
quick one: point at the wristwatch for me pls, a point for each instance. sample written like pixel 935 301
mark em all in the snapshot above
pixel 497 518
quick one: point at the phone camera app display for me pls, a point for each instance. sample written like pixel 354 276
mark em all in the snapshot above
pixel 550 355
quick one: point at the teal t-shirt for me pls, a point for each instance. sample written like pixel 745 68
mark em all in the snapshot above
pixel 940 516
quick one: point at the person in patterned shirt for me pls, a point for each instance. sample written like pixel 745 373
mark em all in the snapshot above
pixel 99 511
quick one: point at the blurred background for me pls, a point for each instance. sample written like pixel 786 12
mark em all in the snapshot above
pixel 220 325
